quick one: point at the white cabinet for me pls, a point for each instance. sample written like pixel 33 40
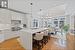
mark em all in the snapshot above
pixel 5 16
pixel 16 16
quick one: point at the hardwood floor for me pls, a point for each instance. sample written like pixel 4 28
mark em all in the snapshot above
pixel 71 42
pixel 11 44
pixel 60 44
pixel 54 44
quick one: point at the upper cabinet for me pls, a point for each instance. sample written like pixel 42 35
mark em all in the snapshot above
pixel 5 16
pixel 16 16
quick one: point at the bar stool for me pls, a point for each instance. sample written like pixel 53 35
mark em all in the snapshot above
pixel 49 34
pixel 42 41
pixel 34 41
pixel 38 38
pixel 45 38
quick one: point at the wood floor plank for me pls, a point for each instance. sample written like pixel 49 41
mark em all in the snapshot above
pixel 54 44
pixel 11 44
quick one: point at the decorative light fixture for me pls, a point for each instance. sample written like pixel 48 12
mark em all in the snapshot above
pixel 31 14
pixel 3 3
pixel 31 3
pixel 31 8
pixel 40 9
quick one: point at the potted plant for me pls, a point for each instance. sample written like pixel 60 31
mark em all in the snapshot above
pixel 66 27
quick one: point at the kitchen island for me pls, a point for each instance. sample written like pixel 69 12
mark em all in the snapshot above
pixel 25 36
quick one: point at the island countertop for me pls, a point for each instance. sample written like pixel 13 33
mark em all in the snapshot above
pixel 25 35
pixel 33 30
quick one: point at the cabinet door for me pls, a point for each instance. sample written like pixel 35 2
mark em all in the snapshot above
pixel 16 16
pixel 5 16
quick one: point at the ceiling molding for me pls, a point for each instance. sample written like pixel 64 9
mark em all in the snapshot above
pixel 15 10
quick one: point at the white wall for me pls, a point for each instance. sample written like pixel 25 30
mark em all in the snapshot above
pixel 28 19
pixel 5 16
pixel 70 10
pixel 21 5
pixel 70 6
pixel 57 11
pixel 72 22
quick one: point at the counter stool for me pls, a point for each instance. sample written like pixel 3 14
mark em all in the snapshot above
pixel 49 34
pixel 34 41
pixel 45 39
pixel 38 41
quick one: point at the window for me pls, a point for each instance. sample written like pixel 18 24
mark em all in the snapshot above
pixel 35 23
pixel 61 24
pixel 45 23
pixel 56 23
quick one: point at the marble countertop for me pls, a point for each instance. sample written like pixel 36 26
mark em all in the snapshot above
pixel 10 34
pixel 25 35
pixel 5 26
pixel 33 30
